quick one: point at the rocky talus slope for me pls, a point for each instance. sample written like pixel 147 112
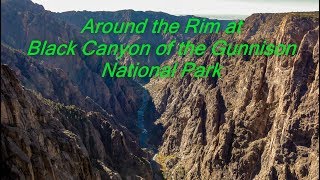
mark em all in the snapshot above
pixel 260 120
pixel 41 139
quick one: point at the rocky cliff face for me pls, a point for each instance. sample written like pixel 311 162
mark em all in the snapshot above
pixel 259 121
pixel 41 139
pixel 23 21
pixel 45 139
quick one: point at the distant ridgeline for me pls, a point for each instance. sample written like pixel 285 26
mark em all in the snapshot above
pixel 194 25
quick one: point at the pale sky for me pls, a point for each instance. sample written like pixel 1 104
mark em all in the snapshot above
pixel 178 7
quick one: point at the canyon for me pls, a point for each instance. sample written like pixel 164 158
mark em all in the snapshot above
pixel 259 121
pixel 61 120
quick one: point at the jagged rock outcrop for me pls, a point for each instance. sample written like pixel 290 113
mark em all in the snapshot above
pixel 260 120
pixel 23 21
pixel 41 139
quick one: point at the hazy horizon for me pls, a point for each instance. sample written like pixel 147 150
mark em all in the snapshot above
pixel 185 7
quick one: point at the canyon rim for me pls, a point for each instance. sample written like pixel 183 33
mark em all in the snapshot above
pixel 61 120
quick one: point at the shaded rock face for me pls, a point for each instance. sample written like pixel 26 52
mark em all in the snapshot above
pixel 259 121
pixel 41 139
pixel 23 21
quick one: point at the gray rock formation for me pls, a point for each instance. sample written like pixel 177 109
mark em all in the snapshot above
pixel 41 139
pixel 259 121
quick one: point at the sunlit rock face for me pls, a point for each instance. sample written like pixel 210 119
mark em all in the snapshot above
pixel 258 121
pixel 61 120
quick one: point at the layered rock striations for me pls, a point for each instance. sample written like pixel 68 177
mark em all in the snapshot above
pixel 260 120
pixel 41 139
pixel 74 80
